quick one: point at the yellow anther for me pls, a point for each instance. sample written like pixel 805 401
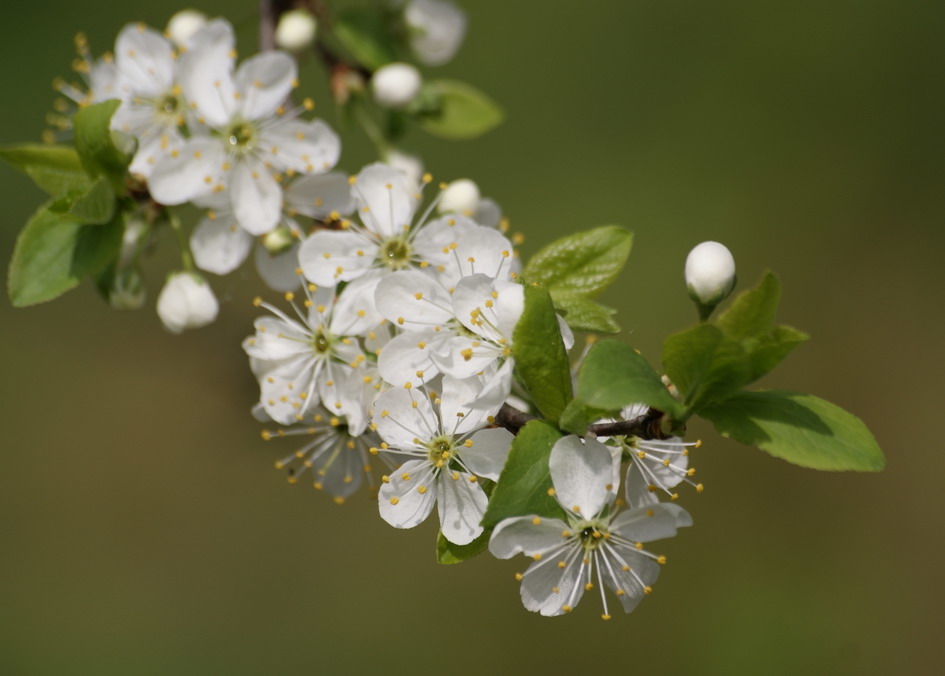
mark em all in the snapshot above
pixel 519 577
pixel 536 521
pixel 588 586
pixel 536 557
pixel 394 500
pixel 661 560
pixel 289 296
pixel 699 488
pixel 551 492
pixel 648 590
pixel 309 104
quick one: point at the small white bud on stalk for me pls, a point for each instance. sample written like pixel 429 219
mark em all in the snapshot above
pixel 186 302
pixel 710 276
pixel 396 85
pixel 409 165
pixel 184 25
pixel 461 196
pixel 435 29
pixel 296 30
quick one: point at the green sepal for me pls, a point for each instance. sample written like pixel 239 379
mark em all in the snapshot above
pixel 56 250
pixel 457 110
pixel 449 553
pixel 95 144
pixel 541 360
pixel 800 428
pixel 525 481
pixel 365 34
pixel 55 169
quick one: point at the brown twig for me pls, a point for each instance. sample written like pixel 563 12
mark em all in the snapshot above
pixel 646 426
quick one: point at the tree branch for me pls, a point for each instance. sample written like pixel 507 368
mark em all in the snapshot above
pixel 646 426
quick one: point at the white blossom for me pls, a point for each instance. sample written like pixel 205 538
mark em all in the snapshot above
pixel 395 85
pixel 295 30
pixel 595 546
pixel 186 302
pixel 710 273
pixel 436 30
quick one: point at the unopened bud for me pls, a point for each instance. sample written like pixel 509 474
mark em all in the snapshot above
pixel 184 24
pixel 186 302
pixel 436 30
pixel 710 275
pixel 461 196
pixel 296 30
pixel 396 85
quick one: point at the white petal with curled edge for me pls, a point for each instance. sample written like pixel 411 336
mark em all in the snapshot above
pixel 386 199
pixel 256 196
pixel 455 413
pixel 432 244
pixel 354 311
pixel 402 425
pixel 279 271
pixel 461 503
pixel 654 522
pixel 317 195
pixel 206 74
pixel 547 588
pixel 407 502
pixel 219 245
pixel 306 147
pixel 145 60
pixel 332 256
pixel 403 360
pixel 585 474
pixel 490 448
pixel 265 82
pixel 413 300
pixel 643 572
pixel 191 172
pixel 522 535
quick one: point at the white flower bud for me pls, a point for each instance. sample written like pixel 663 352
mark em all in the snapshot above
pixel 710 273
pixel 396 85
pixel 184 24
pixel 436 28
pixel 461 196
pixel 186 302
pixel 296 30
pixel 409 165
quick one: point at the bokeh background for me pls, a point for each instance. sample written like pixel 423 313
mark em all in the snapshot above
pixel 144 530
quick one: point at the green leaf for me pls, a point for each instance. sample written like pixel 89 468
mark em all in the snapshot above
pixel 705 364
pixel 614 375
pixel 751 314
pixel 523 486
pixel 770 350
pixel 96 146
pixel 540 358
pixel 462 112
pixel 55 169
pixel 96 205
pixel 577 416
pixel 800 428
pixel 584 314
pixel 449 553
pixel 366 36
pixel 582 264
pixel 55 251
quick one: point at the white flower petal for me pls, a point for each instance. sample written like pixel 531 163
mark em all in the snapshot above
pixel 481 250
pixel 655 522
pixel 145 60
pixel 461 503
pixel 256 196
pixel 527 535
pixel 306 147
pixel 276 340
pixel 457 416
pixel 354 311
pixel 637 488
pixel 402 424
pixel 219 245
pixel 547 587
pixel 332 256
pixel 279 271
pixel 498 386
pixel 413 300
pixel 288 392
pixel 490 448
pixel 463 357
pixel 191 172
pixel 488 307
pixel 265 82
pixel 386 199
pixel 488 213
pixel 206 74
pixel 407 502
pixel 585 475
pixel 436 30
pixel 317 195
pixel 629 584
pixel 403 360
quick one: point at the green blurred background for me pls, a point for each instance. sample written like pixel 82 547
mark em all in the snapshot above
pixel 145 532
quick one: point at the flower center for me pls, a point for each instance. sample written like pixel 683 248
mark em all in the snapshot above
pixel 440 450
pixel 591 536
pixel 320 343
pixel 168 104
pixel 395 253
pixel 240 136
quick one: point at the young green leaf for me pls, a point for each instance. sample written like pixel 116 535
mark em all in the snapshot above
pixel 800 428
pixel 96 146
pixel 577 416
pixel 462 112
pixel 55 169
pixel 705 364
pixel 449 553
pixel 540 358
pixel 751 314
pixel 614 375
pixel 770 350
pixel 582 264
pixel 524 485
pixel 96 205
pixel 56 250
pixel 584 314
pixel 366 36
